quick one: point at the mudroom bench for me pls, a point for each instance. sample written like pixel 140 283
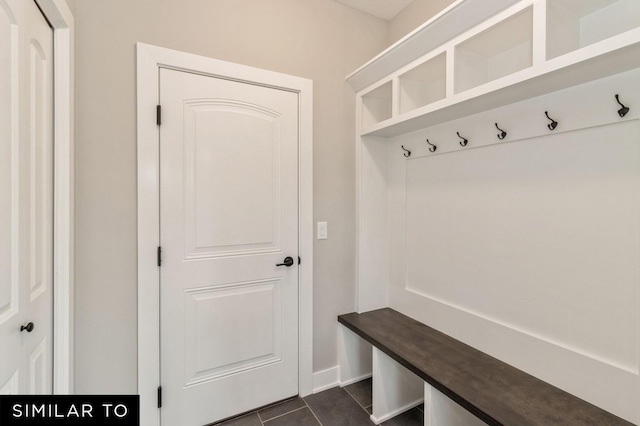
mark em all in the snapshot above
pixel 412 363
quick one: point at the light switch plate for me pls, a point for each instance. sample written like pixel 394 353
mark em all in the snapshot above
pixel 322 230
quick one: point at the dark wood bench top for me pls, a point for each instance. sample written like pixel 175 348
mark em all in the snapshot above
pixel 492 390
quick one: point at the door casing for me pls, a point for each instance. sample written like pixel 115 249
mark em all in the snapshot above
pixel 149 60
pixel 59 16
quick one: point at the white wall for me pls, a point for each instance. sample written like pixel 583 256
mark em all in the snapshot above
pixel 72 6
pixel 317 39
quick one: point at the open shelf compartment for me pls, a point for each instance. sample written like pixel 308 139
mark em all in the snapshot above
pixel 376 105
pixel 574 24
pixel 501 50
pixel 424 84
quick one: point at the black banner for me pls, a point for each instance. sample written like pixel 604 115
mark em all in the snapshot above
pixel 70 410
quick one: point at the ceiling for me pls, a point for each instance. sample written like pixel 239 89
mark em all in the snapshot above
pixel 385 9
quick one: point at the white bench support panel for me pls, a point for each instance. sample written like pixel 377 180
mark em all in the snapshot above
pixel 395 389
pixel 439 410
pixel 354 357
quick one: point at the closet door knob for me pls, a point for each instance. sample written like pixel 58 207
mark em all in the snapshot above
pixel 28 327
pixel 288 261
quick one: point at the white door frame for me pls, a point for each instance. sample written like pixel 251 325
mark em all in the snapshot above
pixel 59 16
pixel 149 60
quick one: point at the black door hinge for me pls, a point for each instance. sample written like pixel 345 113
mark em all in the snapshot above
pixel 159 256
pixel 158 115
pixel 159 396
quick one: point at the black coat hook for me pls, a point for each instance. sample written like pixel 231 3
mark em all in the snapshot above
pixel 407 152
pixel 464 141
pixel 502 133
pixel 553 123
pixel 433 147
pixel 624 110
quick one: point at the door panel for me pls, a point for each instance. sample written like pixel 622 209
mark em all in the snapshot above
pixel 209 307
pixel 11 386
pixel 38 369
pixel 26 209
pixel 228 214
pixel 41 171
pixel 222 141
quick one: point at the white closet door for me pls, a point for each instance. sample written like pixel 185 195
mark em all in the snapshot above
pixel 26 189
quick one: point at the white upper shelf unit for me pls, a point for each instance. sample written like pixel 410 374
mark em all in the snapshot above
pixel 459 17
pixel 480 54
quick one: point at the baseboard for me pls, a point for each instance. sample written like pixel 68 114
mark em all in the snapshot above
pixel 355 380
pixel 384 418
pixel 326 379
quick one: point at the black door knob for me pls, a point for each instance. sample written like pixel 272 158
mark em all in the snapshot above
pixel 288 261
pixel 28 327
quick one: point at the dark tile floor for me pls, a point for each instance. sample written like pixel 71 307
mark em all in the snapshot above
pixel 348 406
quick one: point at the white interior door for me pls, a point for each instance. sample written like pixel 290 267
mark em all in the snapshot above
pixel 26 188
pixel 228 215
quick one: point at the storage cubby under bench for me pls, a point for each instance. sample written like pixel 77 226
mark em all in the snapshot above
pixel 491 390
